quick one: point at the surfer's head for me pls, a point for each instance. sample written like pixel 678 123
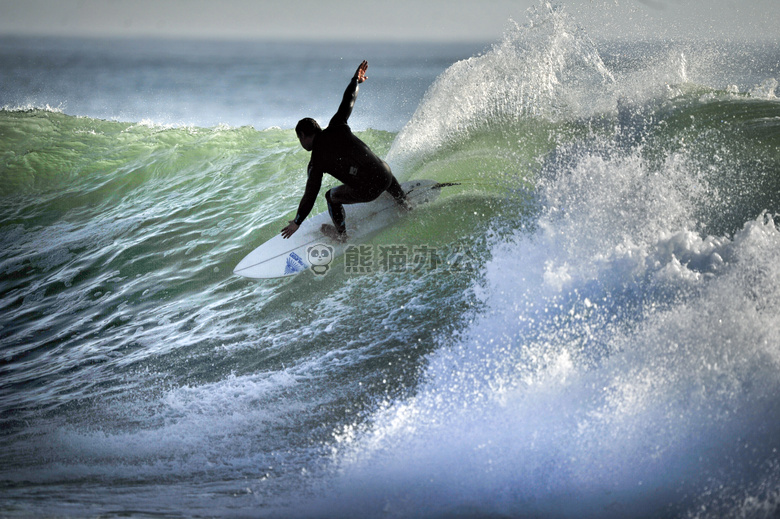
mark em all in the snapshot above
pixel 306 129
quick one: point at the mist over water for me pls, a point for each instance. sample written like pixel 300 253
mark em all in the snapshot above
pixel 611 350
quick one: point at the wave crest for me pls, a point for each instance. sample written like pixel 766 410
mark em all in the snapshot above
pixel 546 70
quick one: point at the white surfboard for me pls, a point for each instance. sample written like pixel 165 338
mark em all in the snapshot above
pixel 279 257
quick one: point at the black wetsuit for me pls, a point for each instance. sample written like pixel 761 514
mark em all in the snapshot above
pixel 338 152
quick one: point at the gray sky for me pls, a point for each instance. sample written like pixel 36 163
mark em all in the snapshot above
pixel 461 20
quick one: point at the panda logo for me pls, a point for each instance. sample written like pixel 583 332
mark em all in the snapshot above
pixel 320 257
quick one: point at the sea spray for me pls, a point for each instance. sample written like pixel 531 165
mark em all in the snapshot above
pixel 624 360
pixel 617 370
pixel 544 71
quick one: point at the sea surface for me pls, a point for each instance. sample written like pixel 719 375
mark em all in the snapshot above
pixel 588 325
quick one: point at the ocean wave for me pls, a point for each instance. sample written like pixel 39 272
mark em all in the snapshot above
pixel 612 352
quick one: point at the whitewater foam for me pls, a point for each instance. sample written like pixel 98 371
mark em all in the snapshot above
pixel 624 361
pixel 611 374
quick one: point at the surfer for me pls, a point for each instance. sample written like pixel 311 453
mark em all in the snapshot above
pixel 338 152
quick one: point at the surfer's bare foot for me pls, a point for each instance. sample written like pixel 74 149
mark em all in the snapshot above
pixel 331 232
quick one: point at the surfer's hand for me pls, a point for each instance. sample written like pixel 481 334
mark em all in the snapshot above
pixel 290 230
pixel 360 73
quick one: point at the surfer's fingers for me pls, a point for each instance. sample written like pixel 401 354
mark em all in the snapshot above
pixel 360 74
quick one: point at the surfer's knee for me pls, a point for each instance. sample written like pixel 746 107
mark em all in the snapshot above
pixel 334 196
pixel 336 212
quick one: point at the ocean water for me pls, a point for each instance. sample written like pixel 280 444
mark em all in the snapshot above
pixel 587 326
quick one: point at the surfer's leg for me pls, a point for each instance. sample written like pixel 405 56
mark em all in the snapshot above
pixel 336 211
pixel 343 194
pixel 398 194
pixel 394 188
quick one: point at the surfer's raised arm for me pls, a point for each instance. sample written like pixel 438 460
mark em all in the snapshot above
pixel 350 96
